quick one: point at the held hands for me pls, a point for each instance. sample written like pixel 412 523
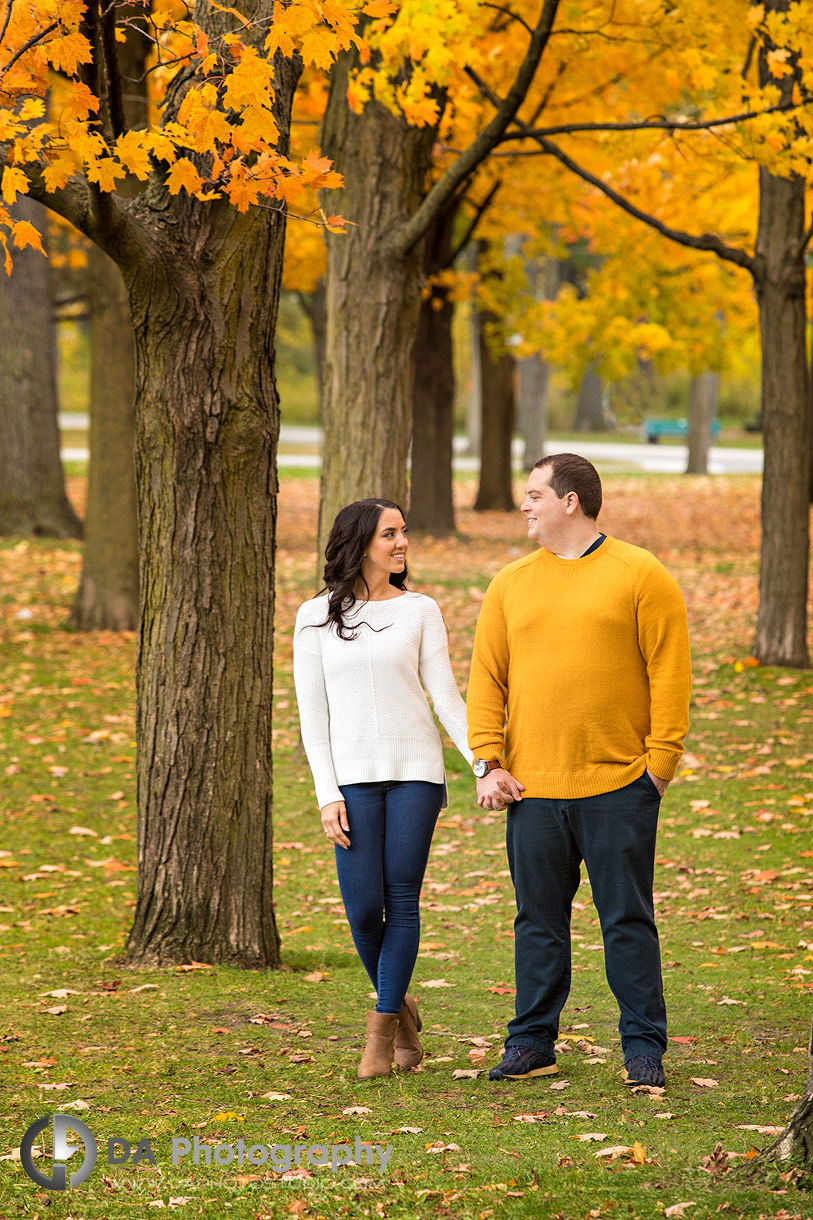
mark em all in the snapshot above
pixel 335 823
pixel 495 790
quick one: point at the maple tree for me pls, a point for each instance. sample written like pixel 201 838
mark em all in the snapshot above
pixel 191 206
pixel 752 60
pixel 380 128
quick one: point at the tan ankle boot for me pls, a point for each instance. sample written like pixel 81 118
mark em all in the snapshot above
pixel 380 1048
pixel 408 1050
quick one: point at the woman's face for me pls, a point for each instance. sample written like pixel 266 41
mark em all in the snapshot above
pixel 386 550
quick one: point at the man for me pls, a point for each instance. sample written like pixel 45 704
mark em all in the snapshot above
pixel 577 708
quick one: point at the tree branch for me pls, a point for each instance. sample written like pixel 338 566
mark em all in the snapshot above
pixel 510 13
pixel 6 20
pixel 703 241
pixel 32 42
pixel 112 72
pixel 650 124
pixel 409 234
pixel 482 208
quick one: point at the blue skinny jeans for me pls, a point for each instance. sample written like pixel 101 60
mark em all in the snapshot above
pixel 381 874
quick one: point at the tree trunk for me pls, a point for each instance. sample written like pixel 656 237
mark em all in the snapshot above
pixel 590 407
pixel 704 393
pixel 107 598
pixel 534 383
pixel 207 427
pixel 431 500
pixel 313 303
pixel 781 636
pixel 474 414
pixel 497 377
pixel 796 1141
pixel 535 372
pixel 32 484
pixel 373 302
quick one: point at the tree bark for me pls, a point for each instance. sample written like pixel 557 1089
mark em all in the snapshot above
pixel 431 501
pixel 373 302
pixel 33 500
pixel 496 474
pixel 781 635
pixel 704 393
pixel 796 1141
pixel 107 598
pixel 207 419
pixel 590 408
pixel 207 427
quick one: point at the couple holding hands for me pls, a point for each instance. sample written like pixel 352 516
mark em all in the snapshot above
pixel 576 710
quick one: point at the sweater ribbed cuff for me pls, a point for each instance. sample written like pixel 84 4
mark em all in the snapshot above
pixel 663 763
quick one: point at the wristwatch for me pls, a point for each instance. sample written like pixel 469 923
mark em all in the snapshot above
pixel 482 766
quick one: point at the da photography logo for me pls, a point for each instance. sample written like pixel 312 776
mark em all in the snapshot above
pixel 63 1151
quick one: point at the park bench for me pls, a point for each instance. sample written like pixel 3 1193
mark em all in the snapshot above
pixel 654 429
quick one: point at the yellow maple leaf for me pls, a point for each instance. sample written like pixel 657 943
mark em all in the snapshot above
pixel 133 155
pixel 32 108
pixel 25 234
pixel 318 47
pixel 183 175
pixel 14 183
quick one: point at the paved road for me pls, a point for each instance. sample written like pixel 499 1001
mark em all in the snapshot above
pixel 660 459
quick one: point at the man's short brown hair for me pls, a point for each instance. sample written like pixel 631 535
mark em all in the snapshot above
pixel 569 472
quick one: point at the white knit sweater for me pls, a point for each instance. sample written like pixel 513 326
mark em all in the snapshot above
pixel 362 708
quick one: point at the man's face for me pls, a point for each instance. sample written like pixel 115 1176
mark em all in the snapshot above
pixel 545 513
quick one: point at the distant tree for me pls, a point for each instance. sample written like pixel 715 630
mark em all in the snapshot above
pixel 33 500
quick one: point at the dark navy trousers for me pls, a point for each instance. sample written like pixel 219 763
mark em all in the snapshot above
pixel 614 834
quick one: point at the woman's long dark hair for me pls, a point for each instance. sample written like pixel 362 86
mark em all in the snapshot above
pixel 350 535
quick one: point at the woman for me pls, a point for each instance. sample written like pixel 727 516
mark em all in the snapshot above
pixel 360 657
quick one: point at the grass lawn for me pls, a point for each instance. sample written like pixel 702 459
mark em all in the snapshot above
pixel 221 1055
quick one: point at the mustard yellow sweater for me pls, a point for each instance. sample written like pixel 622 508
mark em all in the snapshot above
pixel 580 674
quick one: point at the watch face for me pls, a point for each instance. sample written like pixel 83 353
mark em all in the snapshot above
pixel 480 768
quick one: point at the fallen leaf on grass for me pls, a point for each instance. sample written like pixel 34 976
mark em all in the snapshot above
pixel 144 987
pixel 467 1073
pixel 478 1055
pixel 665 1114
pixel 194 966
pixel 560 1084
pixel 316 976
pixel 79 1104
pixel 614 1152
pixel 435 983
pixel 648 1090
pixel 705 1082
pixel 65 1084
pixel 531 1118
pixel 761 1130
pixel 589 1136
pixel 56 1010
pixel 61 993
pixel 277 1096
pixel 578 1113
pixel 687 1040
pixel 40 1063
pixel 503 990
pixel 357 1110
pixel 410 1130
pixel 678 1209
pixel 82 830
pixel 438 1146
